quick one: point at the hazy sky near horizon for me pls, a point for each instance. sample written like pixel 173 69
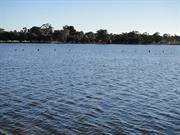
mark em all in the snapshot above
pixel 91 15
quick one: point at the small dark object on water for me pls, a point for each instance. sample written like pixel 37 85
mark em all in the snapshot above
pixel 22 49
pixel 149 51
pixel 163 51
pixel 38 50
pixel 54 49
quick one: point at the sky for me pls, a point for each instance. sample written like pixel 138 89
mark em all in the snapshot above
pixel 116 16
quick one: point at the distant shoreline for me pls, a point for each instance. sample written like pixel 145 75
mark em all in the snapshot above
pixel 60 43
pixel 69 35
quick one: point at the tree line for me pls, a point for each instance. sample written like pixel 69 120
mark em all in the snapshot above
pixel 68 34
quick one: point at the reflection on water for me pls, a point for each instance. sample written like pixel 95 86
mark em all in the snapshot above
pixel 89 90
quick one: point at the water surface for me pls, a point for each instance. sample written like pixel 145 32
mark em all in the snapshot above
pixel 89 90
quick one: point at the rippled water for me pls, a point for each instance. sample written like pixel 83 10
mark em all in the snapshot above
pixel 89 90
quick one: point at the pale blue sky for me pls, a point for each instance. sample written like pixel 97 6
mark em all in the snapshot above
pixel 90 15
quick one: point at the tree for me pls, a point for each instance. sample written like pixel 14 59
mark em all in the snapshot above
pixel 46 29
pixel 145 38
pixel 77 37
pixel 1 30
pixel 60 35
pixel 69 34
pixel 71 29
pixel 34 34
pixel 156 37
pixel 167 38
pixel 133 37
pixel 1 34
pixel 117 39
pixel 102 36
pixel 90 37
pixel 66 33
pixel 57 35
pixel 23 34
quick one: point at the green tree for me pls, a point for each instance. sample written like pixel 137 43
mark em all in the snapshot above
pixel 78 37
pixel 34 34
pixel 69 34
pixel 145 38
pixel 60 35
pixel 102 36
pixel 23 35
pixel 133 37
pixel 71 29
pixel 46 32
pixel 156 37
pixel 47 29
pixel 90 37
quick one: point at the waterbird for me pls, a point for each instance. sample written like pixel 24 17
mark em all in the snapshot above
pixel 37 49
pixel 149 51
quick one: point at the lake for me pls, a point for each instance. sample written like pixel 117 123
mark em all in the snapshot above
pixel 89 89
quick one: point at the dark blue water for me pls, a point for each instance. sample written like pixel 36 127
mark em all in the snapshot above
pixel 89 90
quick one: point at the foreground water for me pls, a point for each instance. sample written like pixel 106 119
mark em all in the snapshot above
pixel 89 90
